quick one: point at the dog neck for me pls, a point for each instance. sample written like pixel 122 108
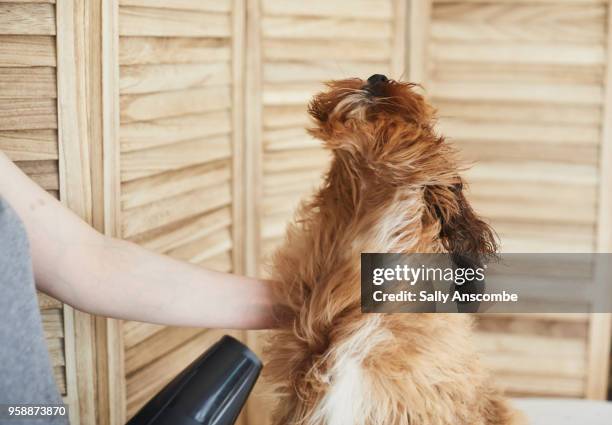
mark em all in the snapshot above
pixel 357 201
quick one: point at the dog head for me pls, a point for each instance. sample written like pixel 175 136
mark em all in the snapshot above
pixel 382 131
pixel 377 120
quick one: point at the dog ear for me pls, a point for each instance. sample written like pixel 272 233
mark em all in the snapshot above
pixel 469 240
pixel 324 102
pixel 462 232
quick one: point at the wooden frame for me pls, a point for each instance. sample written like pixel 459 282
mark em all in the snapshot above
pixel 71 398
pixel 110 337
pixel 600 326
pixel 253 138
pixel 419 15
pixel 238 160
pixel 110 117
pixel 85 71
pixel 252 181
pixel 399 61
pixel 238 141
pixel 75 193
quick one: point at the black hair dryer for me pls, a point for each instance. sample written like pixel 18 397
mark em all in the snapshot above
pixel 210 391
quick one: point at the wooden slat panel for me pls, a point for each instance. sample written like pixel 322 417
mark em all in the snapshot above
pixel 303 159
pixel 16 50
pixel 166 77
pixel 28 114
pixel 574 2
pixel 175 103
pixel 46 302
pixel 519 53
pixel 534 386
pixel 536 364
pixel 315 50
pixel 285 202
pixel 44 173
pixel 59 373
pixel 533 171
pixel 140 21
pixel 136 332
pixel 273 226
pixel 472 11
pixel 158 50
pixel 502 73
pixel 286 72
pixel 204 248
pixel 536 211
pixel 156 188
pixel 205 5
pixel 302 181
pixel 571 318
pixel 538 191
pixel 146 135
pixel 173 157
pixel 474 130
pixel 366 9
pixel 157 346
pixel 275 117
pixel 484 31
pixel 222 262
pixel 492 150
pixel 573 23
pixel 289 93
pixel 289 138
pixel 511 243
pixel 325 28
pixel 494 342
pixel 519 112
pixel 182 232
pixel 142 219
pixel 550 93
pixel 268 247
pixel 56 351
pixel 30 1
pixel 31 19
pixel 52 322
pixel 28 83
pixel 553 232
pixel 547 325
pixel 30 145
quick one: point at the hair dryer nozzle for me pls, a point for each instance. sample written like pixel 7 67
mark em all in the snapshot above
pixel 210 391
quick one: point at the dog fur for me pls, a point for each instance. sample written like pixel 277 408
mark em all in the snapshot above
pixel 393 186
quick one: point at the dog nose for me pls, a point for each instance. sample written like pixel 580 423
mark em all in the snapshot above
pixel 377 78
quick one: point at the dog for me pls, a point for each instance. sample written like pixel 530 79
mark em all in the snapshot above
pixel 393 186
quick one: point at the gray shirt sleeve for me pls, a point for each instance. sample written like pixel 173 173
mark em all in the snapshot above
pixel 25 369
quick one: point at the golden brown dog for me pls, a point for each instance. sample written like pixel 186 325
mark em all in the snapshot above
pixel 393 186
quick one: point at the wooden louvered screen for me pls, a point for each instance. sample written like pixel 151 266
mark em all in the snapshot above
pixel 28 91
pixel 130 112
pixel 28 126
pixel 37 62
pixel 521 88
pixel 294 47
pixel 179 159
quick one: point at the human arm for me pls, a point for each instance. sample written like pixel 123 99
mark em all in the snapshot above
pixel 105 276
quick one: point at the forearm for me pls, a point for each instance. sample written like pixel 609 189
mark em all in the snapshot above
pixel 129 282
pixel 100 275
